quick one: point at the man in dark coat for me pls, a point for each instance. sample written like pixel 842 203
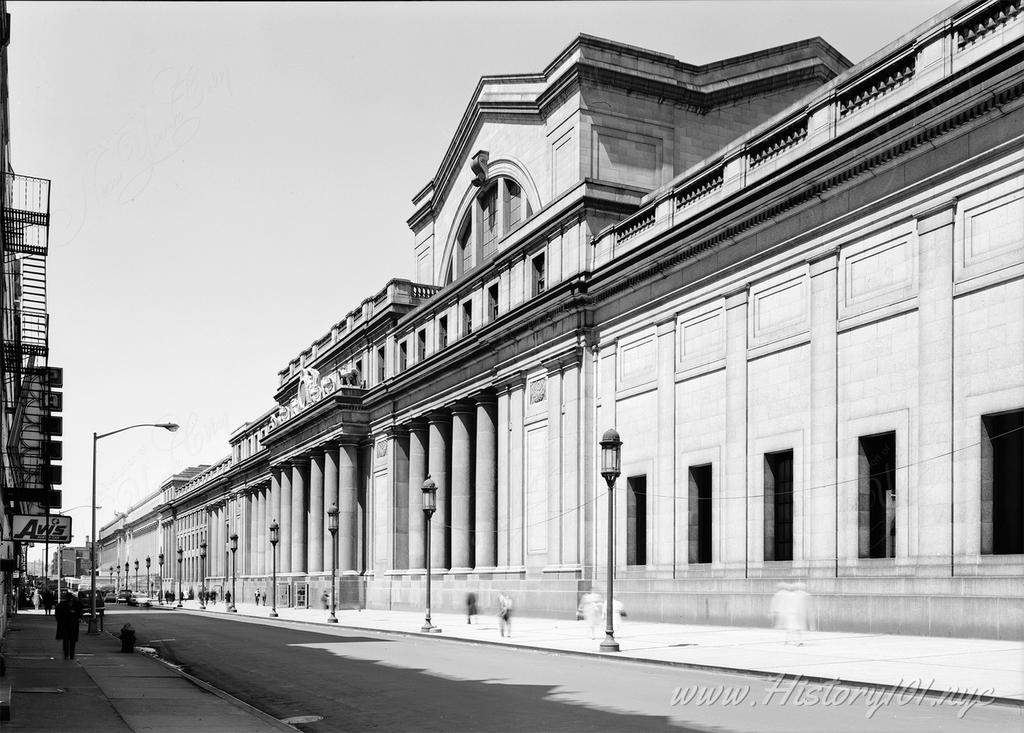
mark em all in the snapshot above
pixel 69 615
pixel 47 601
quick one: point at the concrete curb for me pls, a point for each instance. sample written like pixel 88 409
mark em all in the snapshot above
pixel 927 692
pixel 227 697
pixel 207 687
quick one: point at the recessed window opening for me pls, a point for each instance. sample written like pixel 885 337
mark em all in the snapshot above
pixel 778 505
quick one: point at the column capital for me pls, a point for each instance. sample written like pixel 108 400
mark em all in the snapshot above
pixel 463 408
pixel 562 361
pixel 487 397
pixel 418 423
pixel 395 431
pixel 439 417
pixel 510 381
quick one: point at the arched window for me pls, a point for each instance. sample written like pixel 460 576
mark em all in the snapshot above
pixel 498 209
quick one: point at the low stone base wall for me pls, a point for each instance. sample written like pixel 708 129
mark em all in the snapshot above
pixel 928 606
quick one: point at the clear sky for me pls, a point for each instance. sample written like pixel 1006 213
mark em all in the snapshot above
pixel 230 179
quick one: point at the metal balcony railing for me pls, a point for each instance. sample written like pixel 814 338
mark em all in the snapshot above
pixel 26 214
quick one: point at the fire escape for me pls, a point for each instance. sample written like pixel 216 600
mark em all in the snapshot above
pixel 26 222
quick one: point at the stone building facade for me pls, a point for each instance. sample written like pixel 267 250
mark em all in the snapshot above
pixel 795 288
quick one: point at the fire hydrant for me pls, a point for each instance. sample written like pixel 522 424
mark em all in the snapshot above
pixel 127 639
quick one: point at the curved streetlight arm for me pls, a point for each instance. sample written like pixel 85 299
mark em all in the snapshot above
pixel 170 427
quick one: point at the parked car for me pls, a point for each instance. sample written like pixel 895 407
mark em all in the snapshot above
pixel 126 598
pixel 143 600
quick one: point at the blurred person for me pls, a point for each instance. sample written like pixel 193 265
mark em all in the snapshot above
pixel 591 609
pixel 505 614
pixel 68 615
pixel 471 609
pixel 799 600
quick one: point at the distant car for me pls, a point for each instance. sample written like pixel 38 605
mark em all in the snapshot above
pixel 85 597
pixel 144 601
pixel 126 598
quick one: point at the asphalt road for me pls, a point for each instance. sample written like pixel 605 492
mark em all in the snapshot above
pixel 354 680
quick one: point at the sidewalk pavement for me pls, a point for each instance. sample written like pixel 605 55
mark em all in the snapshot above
pixel 939 664
pixel 111 692
pixel 105 690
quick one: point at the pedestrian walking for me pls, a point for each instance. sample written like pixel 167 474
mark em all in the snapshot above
pixel 789 611
pixel 69 615
pixel 36 599
pixel 227 598
pixel 263 597
pixel 591 610
pixel 47 601
pixel 505 614
pixel 470 607
pixel 256 594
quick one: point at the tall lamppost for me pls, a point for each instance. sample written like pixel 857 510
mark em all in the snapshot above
pixel 181 552
pixel 611 455
pixel 149 582
pixel 169 426
pixel 234 574
pixel 202 583
pixel 274 529
pixel 160 562
pixel 127 578
pixel 136 577
pixel 118 580
pixel 332 525
pixel 429 490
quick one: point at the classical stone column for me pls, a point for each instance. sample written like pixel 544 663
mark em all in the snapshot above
pixel 437 467
pixel 486 482
pixel 418 441
pixel 273 511
pixel 300 478
pixel 316 512
pixel 348 487
pixel 461 487
pixel 285 522
pixel 261 530
pixel 330 495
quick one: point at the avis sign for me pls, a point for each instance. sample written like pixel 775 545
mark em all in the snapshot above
pixel 40 528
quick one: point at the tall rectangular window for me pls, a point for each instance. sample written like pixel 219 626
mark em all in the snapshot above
pixel 442 332
pixel 538 278
pixel 492 302
pixel 636 520
pixel 403 356
pixel 778 505
pixel 514 203
pixel 1002 483
pixel 700 513
pixel 421 344
pixel 876 501
pixel 467 317
pixel 489 222
pixel 465 249
pixel 380 365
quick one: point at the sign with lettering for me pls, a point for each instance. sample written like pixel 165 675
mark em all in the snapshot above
pixel 40 528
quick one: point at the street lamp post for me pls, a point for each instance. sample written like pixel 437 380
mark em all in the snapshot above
pixel 169 426
pixel 149 582
pixel 611 455
pixel 180 554
pixel 127 578
pixel 160 562
pixel 234 574
pixel 273 564
pixel 332 525
pixel 118 587
pixel 202 581
pixel 429 490
pixel 136 577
